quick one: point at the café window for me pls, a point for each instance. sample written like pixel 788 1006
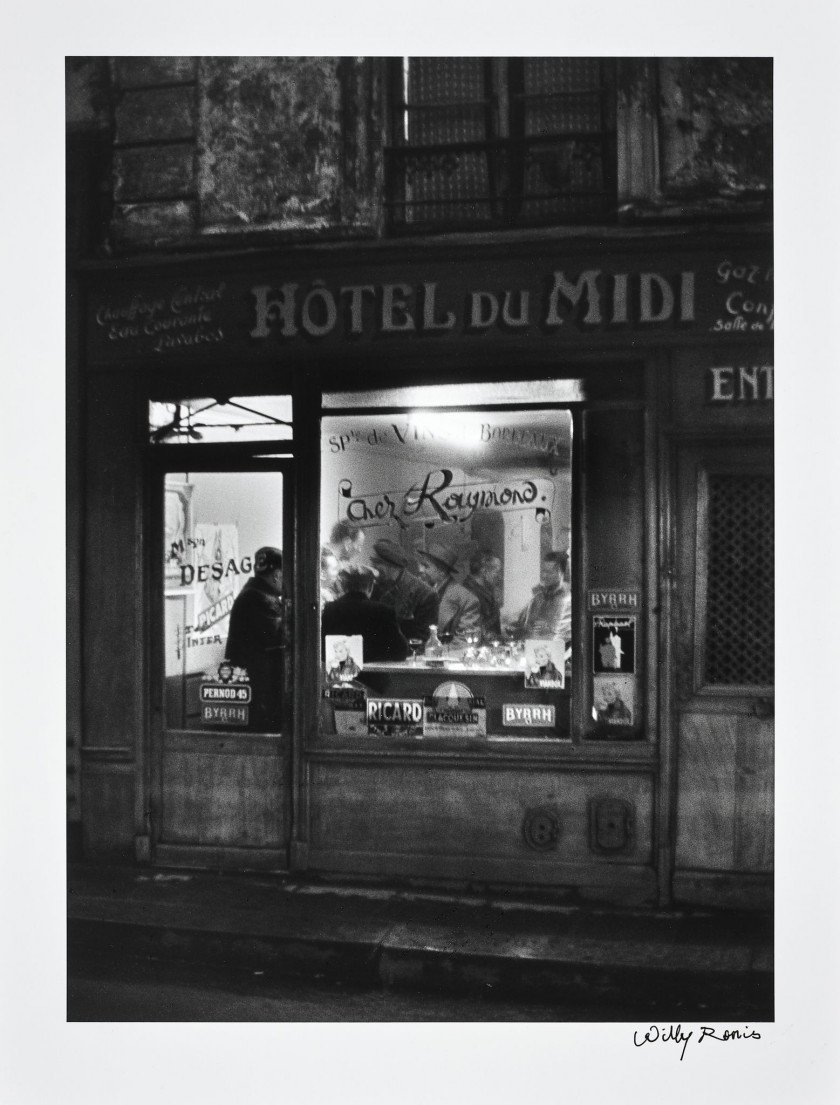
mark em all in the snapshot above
pixel 446 564
pixel 500 142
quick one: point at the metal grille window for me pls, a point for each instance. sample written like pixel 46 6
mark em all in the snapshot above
pixel 740 594
pixel 501 141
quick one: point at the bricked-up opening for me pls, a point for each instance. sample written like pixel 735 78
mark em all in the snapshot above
pixel 501 141
pixel 740 592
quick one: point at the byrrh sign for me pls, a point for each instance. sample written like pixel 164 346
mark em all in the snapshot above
pixel 339 305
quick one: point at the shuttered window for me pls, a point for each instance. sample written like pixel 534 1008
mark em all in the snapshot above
pixel 739 582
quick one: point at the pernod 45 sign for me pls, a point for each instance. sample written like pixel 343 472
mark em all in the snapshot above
pixel 225 701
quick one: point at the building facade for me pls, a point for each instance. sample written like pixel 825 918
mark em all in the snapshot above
pixel 483 310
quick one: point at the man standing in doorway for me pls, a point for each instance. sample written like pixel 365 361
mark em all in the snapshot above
pixel 256 637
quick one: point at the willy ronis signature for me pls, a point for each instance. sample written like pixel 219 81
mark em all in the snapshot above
pixel 674 1034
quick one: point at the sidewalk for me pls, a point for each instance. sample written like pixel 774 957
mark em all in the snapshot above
pixel 671 965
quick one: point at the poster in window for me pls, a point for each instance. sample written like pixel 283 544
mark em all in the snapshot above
pixel 395 717
pixel 177 530
pixel 613 644
pixel 343 657
pixel 349 708
pixel 614 700
pixel 452 710
pixel 214 588
pixel 544 663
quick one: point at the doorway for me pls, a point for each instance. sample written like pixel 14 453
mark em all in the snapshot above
pixel 724 678
pixel 222 733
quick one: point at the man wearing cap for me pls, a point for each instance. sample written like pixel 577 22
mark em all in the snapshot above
pixel 459 613
pixel 413 601
pixel 255 637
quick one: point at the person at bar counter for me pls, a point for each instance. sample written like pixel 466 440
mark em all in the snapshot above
pixel 459 613
pixel 256 637
pixel 485 572
pixel 413 601
pixel 355 612
pixel 346 541
pixel 548 614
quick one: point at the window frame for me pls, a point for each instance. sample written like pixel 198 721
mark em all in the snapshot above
pixel 505 143
pixel 583 739
pixel 492 742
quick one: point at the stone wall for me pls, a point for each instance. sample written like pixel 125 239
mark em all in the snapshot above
pixel 254 150
pixel 270 142
pixel 155 137
pixel 716 126
pixel 235 148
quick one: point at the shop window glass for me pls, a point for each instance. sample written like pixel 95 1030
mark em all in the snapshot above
pixel 214 523
pixel 446 571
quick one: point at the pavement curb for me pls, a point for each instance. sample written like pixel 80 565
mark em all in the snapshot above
pixel 564 975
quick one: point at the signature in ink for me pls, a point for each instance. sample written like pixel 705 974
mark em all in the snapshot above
pixel 674 1034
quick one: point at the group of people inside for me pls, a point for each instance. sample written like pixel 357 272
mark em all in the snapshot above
pixel 393 609
pixel 390 607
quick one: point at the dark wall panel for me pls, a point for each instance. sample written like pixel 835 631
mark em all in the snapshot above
pixel 111 637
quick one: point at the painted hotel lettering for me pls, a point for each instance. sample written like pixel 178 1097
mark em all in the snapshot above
pixel 184 317
pixel 742 384
pixel 592 299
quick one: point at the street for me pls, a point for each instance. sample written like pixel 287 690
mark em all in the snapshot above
pixel 153 990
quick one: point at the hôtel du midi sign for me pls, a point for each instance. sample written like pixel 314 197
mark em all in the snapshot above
pixel 260 314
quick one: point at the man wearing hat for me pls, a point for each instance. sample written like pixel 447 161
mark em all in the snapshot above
pixel 413 601
pixel 255 637
pixel 459 612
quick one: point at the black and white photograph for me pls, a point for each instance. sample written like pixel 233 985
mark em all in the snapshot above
pixel 413 354
pixel 421 495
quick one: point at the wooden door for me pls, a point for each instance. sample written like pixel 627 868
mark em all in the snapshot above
pixel 724 678
pixel 222 794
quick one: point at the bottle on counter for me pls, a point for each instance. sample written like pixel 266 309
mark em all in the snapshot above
pixel 434 648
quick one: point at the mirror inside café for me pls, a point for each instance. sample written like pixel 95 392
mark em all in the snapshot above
pixel 446 543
